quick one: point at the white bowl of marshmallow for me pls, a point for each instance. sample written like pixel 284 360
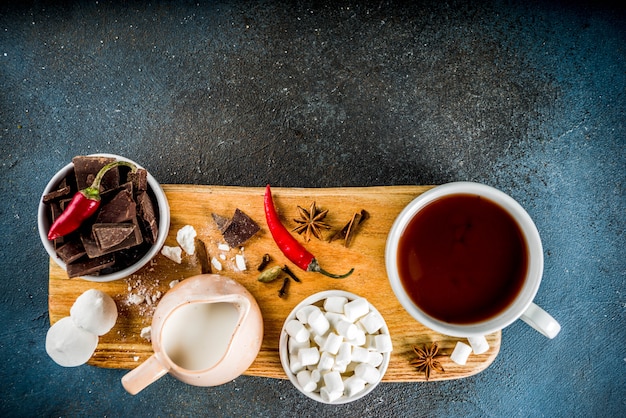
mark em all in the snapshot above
pixel 335 347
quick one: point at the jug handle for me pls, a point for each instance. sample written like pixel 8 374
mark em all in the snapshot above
pixel 143 375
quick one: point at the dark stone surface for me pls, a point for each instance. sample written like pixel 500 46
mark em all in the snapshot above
pixel 526 96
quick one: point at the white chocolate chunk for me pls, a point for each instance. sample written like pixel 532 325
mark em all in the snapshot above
pixel 173 253
pixel 185 238
pixel 318 322
pixel 367 372
pixel 308 356
pixel 304 378
pixel 335 304
pixel 460 353
pixel 479 344
pixel 216 263
pixel 297 331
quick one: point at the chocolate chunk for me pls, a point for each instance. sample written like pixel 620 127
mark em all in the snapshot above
pixel 221 221
pixel 203 256
pixel 86 169
pixel 121 208
pixel 56 194
pixel 111 234
pixel 94 250
pixel 240 229
pixel 147 217
pixel 90 266
pixel 139 180
pixel 71 252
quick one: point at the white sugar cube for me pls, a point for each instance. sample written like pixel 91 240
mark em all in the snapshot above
pixel 479 344
pixel 335 304
pixel 304 379
pixel 367 372
pixel 372 322
pixel 332 343
pixel 353 385
pixel 355 309
pixel 308 356
pixel 318 322
pixel 297 331
pixel 460 353
pixel 382 342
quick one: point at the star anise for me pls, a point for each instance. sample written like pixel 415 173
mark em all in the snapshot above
pixel 311 222
pixel 425 360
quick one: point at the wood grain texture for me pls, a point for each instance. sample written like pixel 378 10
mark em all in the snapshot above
pixel 123 347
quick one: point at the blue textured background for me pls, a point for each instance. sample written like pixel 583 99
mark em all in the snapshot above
pixel 529 97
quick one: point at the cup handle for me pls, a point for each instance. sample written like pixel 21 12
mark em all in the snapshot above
pixel 541 321
pixel 143 375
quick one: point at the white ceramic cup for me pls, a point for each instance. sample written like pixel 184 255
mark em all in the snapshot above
pixel 522 307
pixel 206 331
pixel 43 223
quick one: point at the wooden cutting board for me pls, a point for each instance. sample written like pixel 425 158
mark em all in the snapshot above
pixel 123 347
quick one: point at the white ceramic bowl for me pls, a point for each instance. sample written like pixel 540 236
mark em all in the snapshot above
pixel 163 207
pixel 318 299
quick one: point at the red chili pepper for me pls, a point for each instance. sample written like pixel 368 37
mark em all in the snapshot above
pixel 83 204
pixel 292 249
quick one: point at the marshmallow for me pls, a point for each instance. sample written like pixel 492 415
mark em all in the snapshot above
pixel 479 344
pixel 295 365
pixel 372 322
pixel 356 309
pixel 293 345
pixel 318 322
pixel 303 313
pixel 328 396
pixel 304 379
pixel 375 359
pixel 333 382
pixel 308 356
pixel 334 318
pixel 297 331
pixel 353 385
pixel 359 338
pixel 344 354
pixel 332 343
pixel 320 340
pixel 316 375
pixel 360 354
pixel 367 372
pixel 460 353
pixel 327 361
pixel 335 304
pixel 382 342
pixel 347 329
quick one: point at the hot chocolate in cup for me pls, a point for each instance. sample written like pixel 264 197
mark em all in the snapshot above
pixel 465 259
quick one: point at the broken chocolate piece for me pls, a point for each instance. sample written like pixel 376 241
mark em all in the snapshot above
pixel 221 222
pixel 240 229
pixel 64 191
pixel 147 217
pixel 203 256
pixel 139 180
pixel 94 250
pixel 71 252
pixel 121 208
pixel 90 266
pixel 86 169
pixel 108 235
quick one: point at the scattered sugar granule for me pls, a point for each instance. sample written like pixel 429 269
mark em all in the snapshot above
pixel 135 358
pixel 240 261
pixel 185 238
pixel 223 247
pixel 216 263
pixel 173 253
pixel 136 299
